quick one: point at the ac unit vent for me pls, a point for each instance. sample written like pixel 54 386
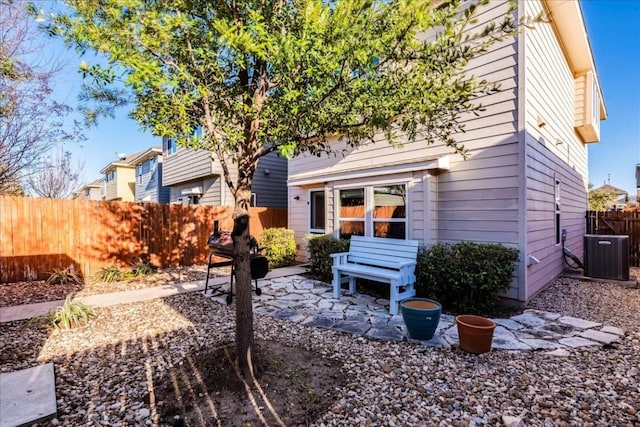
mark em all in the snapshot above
pixel 606 257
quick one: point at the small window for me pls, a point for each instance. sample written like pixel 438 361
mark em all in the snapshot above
pixel 316 212
pixel 170 146
pixel 557 212
pixel 110 176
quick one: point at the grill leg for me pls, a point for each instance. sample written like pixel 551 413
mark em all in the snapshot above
pixel 233 274
pixel 206 283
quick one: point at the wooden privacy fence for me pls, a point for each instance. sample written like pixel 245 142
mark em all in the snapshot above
pixel 40 235
pixel 617 224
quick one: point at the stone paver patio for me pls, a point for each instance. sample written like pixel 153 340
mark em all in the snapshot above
pixel 310 302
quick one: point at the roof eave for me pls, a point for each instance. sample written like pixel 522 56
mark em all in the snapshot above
pixel 568 23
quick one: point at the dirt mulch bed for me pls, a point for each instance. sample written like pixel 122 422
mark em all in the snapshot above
pixel 20 293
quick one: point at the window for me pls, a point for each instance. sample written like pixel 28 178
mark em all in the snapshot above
pixel 557 211
pixel 254 200
pixel 389 212
pixel 110 176
pixel 379 211
pixel 316 212
pixel 595 106
pixel 170 145
pixel 351 213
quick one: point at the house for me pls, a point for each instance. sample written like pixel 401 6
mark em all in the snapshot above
pixel 148 183
pixel 90 191
pixel 196 177
pixel 638 183
pixel 524 183
pixel 619 199
pixel 119 178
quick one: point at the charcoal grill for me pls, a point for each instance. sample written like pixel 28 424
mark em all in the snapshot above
pixel 221 255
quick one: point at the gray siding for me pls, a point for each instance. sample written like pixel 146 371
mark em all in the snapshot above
pixel 476 199
pixel 186 165
pixel 271 188
pixel 553 151
pixel 150 189
pixel 187 169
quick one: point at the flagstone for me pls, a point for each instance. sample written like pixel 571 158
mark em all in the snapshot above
pixel 578 323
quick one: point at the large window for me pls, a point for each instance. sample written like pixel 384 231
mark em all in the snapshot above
pixel 110 176
pixel 316 212
pixel 379 211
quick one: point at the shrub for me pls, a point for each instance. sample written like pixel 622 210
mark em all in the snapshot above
pixel 142 268
pixel 319 249
pixel 465 277
pixel 72 314
pixel 279 246
pixel 63 276
pixel 110 274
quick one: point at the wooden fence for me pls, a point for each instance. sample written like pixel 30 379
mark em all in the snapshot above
pixel 39 235
pixel 618 223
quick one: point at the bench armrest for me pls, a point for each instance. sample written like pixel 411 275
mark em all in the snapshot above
pixel 406 264
pixel 339 258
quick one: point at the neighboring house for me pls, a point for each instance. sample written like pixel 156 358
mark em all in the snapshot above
pixel 196 177
pixel 120 177
pixel 524 182
pixel 638 183
pixel 620 197
pixel 148 184
pixel 90 191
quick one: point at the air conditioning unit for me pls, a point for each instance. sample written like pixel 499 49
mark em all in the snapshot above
pixel 606 257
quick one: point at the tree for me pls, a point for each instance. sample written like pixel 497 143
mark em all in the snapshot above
pixel 56 178
pixel 276 75
pixel 30 120
pixel 599 200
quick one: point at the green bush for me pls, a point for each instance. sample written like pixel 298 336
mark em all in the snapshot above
pixel 142 268
pixel 63 276
pixel 279 246
pixel 110 274
pixel 72 314
pixel 465 277
pixel 319 247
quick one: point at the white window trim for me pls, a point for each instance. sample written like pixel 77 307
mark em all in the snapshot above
pixel 557 211
pixel 368 205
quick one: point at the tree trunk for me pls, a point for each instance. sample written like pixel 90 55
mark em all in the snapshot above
pixel 242 259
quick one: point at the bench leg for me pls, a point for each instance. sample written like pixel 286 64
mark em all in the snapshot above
pixel 352 285
pixel 336 284
pixel 393 298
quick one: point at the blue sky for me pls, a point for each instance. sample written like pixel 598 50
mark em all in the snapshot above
pixel 614 33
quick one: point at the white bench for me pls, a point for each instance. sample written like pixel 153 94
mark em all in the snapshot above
pixel 391 261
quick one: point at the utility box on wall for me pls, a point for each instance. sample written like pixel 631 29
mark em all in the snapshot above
pixel 606 257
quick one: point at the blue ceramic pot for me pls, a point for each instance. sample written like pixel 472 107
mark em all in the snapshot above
pixel 421 315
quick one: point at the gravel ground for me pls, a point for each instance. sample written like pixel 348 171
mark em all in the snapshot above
pixel 104 371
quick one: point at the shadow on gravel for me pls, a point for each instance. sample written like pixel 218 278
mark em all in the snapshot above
pixel 291 386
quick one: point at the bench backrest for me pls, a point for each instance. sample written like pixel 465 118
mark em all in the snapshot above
pixel 382 252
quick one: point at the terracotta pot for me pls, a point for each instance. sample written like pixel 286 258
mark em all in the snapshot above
pixel 475 333
pixel 421 316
